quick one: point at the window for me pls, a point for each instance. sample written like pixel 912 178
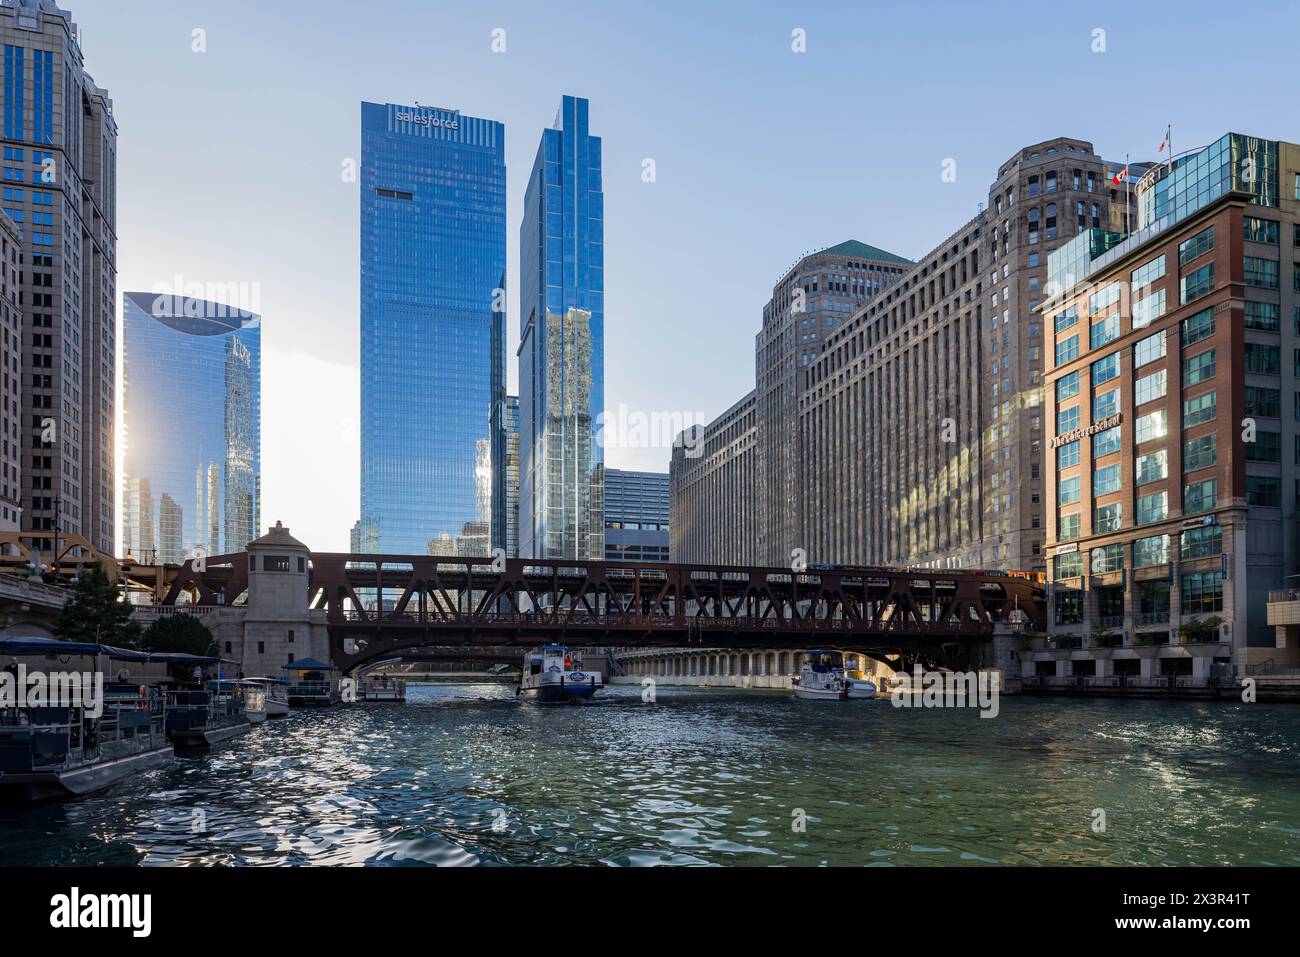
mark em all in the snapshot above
pixel 1198 283
pixel 1261 272
pixel 1108 558
pixel 1103 370
pixel 1258 230
pixel 1263 402
pixel 1151 387
pixel 1264 491
pixel 1152 467
pixel 1067 387
pixel 1105 442
pixel 1068 566
pixel 1067 491
pixel 1067 350
pixel 1152 508
pixel 276 563
pixel 1105 480
pixel 1069 608
pixel 1203 542
pixel 1069 527
pixel 1064 320
pixel 1151 551
pixel 1200 453
pixel 1153 425
pixel 1198 368
pixel 1106 518
pixel 1148 309
pixel 1200 496
pixel 1148 273
pixel 1198 410
pixel 1263 359
pixel 1067 420
pixel 1103 299
pixel 1198 327
pixel 1202 592
pixel 1263 315
pixel 1149 349
pixel 1107 330
pixel 1105 405
pixel 1198 245
pixel 1267 447
pixel 1067 455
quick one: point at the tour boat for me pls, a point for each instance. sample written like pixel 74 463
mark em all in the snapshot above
pixel 202 718
pixel 823 678
pixel 551 674
pixel 66 749
pixel 276 693
pixel 255 695
pixel 383 688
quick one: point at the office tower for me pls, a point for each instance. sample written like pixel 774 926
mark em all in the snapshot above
pixel 433 211
pixel 561 350
pixel 192 427
pixel 11 327
pixel 505 477
pixel 735 481
pixel 60 189
pixel 1171 399
pixel 921 422
pixel 636 516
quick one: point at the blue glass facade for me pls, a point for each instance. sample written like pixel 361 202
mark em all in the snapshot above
pixel 561 350
pixel 192 418
pixel 433 251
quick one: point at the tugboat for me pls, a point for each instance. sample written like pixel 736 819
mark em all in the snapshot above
pixel 67 749
pixel 552 675
pixel 823 678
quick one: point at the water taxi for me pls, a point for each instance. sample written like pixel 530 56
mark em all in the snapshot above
pixel 823 678
pixel 310 683
pixel 276 695
pixel 207 716
pixel 254 693
pixel 551 675
pixel 88 742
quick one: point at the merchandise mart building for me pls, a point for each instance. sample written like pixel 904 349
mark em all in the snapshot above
pixel 1172 398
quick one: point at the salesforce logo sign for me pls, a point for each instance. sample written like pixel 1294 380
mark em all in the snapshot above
pixel 428 119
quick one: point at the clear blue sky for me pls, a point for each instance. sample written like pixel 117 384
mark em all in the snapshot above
pixel 230 160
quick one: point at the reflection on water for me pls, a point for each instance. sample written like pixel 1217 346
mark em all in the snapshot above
pixel 466 774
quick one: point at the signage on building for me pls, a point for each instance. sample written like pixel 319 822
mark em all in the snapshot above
pixel 1066 549
pixel 1084 431
pixel 428 119
pixel 1198 522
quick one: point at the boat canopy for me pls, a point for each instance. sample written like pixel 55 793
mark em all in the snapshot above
pixel 308 664
pixel 180 658
pixel 53 646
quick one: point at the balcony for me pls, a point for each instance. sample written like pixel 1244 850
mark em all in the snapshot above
pixel 1152 617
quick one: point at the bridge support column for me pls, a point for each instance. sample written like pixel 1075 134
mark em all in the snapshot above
pixel 1001 653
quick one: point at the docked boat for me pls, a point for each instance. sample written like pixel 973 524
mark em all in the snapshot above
pixel 383 688
pixel 312 683
pixel 202 718
pixel 275 695
pixel 70 748
pixel 254 700
pixel 552 675
pixel 823 678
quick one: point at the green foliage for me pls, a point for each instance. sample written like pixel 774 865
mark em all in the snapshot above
pixel 95 612
pixel 180 633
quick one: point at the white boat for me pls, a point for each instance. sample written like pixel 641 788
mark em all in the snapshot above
pixel 552 675
pixel 276 695
pixel 254 700
pixel 823 678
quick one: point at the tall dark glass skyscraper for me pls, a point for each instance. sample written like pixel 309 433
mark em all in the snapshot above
pixel 562 345
pixel 433 254
pixel 192 420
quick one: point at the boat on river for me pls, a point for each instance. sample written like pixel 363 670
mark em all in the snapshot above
pixel 200 718
pixel 276 695
pixel 552 675
pixel 76 744
pixel 823 678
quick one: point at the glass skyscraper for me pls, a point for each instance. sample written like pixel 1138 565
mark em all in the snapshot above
pixel 562 345
pixel 433 255
pixel 193 427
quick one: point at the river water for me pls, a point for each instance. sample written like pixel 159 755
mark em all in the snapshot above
pixel 466 774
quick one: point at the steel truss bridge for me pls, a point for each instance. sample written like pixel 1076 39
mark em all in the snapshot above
pixel 379 606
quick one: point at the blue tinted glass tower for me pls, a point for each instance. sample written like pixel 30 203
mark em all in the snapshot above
pixel 433 253
pixel 192 417
pixel 561 349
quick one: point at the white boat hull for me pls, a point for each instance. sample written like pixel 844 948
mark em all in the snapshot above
pixel 277 709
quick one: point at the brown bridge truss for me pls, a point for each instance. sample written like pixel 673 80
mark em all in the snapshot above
pixel 377 606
